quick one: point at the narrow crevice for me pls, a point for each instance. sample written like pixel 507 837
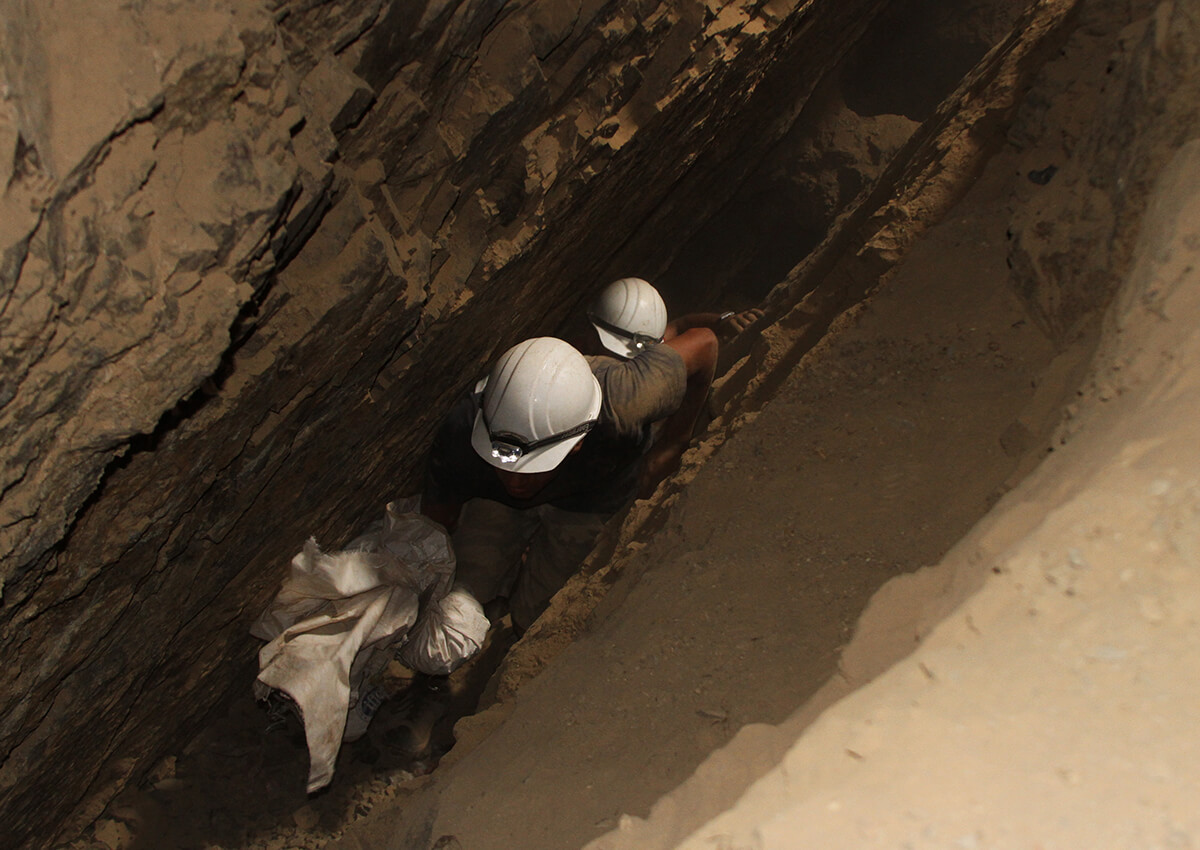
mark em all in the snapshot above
pixel 800 174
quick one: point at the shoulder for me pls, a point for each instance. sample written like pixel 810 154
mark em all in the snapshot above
pixel 656 363
pixel 644 389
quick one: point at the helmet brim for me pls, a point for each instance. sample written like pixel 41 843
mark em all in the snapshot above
pixel 541 459
pixel 620 346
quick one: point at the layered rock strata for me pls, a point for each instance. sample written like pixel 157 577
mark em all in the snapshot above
pixel 250 250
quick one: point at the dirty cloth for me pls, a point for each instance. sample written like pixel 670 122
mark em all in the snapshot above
pixel 447 633
pixel 340 616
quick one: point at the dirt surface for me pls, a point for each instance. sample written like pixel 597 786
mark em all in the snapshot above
pixel 729 628
pixel 1050 701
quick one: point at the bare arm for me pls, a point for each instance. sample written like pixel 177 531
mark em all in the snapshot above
pixel 724 325
pixel 698 347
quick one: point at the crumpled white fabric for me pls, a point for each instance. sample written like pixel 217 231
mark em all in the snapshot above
pixel 448 632
pixel 339 617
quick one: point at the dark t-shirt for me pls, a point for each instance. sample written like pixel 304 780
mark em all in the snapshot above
pixel 599 478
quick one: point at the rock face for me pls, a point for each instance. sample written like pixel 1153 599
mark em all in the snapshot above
pixel 250 250
pixel 1074 239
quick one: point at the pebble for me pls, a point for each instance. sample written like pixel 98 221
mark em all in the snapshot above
pixel 1160 487
pixel 113 834
pixel 1151 609
pixel 306 817
pixel 1106 652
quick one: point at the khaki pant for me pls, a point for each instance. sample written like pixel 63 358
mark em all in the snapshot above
pixel 491 539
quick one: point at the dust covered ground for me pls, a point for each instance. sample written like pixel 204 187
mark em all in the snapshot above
pixel 884 448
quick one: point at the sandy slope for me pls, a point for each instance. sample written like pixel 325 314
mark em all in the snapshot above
pixel 1054 706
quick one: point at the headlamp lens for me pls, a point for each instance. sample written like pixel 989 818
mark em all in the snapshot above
pixel 506 452
pixel 640 342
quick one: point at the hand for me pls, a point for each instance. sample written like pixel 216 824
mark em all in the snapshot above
pixel 738 322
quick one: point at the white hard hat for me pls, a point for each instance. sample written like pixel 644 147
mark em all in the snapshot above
pixel 539 400
pixel 629 315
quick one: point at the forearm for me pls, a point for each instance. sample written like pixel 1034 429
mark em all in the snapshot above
pixel 725 325
pixel 678 429
pixel 698 347
pixel 665 455
pixel 683 324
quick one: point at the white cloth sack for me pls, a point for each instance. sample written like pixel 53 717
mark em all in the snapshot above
pixel 339 617
pixel 449 631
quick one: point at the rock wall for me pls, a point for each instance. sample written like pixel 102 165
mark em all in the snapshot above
pixel 1076 226
pixel 250 250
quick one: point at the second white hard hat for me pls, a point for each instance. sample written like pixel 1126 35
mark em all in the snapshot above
pixel 629 315
pixel 538 401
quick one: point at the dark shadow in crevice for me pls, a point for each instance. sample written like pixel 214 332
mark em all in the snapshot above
pixel 914 56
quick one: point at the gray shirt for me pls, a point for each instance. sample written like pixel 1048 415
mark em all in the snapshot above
pixel 637 392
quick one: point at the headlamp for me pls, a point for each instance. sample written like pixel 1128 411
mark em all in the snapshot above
pixel 510 448
pixel 638 342
pixel 505 451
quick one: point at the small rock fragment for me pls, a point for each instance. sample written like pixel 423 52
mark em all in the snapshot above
pixel 306 817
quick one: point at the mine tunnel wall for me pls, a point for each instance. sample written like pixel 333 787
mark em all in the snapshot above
pixel 247 266
pixel 252 250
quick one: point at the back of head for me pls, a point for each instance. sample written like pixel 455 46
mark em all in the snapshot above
pixel 629 315
pixel 537 402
